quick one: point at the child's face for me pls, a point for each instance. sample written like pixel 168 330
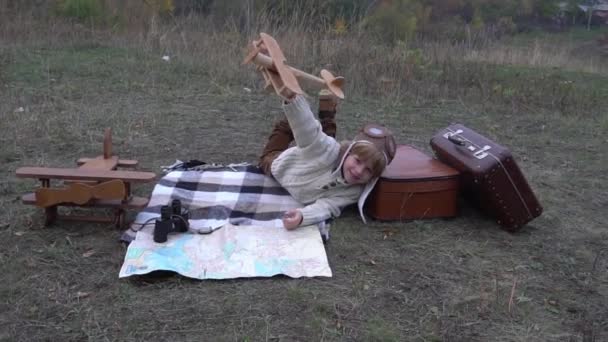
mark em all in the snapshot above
pixel 355 170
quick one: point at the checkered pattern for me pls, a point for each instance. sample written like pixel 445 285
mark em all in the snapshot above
pixel 240 195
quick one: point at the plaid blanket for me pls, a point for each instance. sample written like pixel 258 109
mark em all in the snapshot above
pixel 216 195
pixel 237 211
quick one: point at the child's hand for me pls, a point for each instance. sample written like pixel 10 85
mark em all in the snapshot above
pixel 289 97
pixel 292 219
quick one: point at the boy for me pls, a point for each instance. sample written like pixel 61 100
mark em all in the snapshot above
pixel 319 172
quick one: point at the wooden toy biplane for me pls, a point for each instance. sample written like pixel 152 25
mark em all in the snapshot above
pixel 267 55
pixel 95 183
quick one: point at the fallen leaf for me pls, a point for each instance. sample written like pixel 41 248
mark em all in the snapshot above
pixel 523 299
pixel 30 262
pixel 390 231
pixel 372 262
pixel 537 266
pixel 88 253
pixel 80 294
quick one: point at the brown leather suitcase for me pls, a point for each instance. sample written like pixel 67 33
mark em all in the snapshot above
pixel 414 186
pixel 490 177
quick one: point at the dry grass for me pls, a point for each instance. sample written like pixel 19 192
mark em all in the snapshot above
pixel 435 280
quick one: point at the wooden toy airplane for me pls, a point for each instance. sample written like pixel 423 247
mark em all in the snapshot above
pixel 269 58
pixel 97 182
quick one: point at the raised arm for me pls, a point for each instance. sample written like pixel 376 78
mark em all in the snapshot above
pixel 306 128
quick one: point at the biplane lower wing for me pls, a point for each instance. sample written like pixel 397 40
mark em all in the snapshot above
pixel 84 174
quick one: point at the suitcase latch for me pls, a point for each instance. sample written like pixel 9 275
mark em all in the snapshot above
pixel 481 153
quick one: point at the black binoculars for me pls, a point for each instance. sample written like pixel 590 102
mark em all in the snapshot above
pixel 173 218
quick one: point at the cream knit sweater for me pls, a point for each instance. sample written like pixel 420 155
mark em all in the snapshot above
pixel 311 170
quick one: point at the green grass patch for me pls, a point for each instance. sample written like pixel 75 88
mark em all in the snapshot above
pixel 37 67
pixel 378 329
pixel 112 69
pixel 569 92
pixel 80 9
pixel 572 35
pixel 517 86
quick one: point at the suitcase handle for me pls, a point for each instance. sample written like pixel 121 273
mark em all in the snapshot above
pixel 457 140
pixel 478 153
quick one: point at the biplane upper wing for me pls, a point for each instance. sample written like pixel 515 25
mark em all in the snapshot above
pixel 278 59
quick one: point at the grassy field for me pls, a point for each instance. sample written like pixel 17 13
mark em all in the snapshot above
pixel 462 279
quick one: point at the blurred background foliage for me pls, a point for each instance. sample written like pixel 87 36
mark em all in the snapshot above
pixel 389 20
pixel 492 50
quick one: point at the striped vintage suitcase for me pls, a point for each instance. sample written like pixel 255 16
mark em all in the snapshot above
pixel 490 177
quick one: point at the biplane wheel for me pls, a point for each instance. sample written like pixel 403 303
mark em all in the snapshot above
pixel 50 215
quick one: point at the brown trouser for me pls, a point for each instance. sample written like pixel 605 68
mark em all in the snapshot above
pixel 282 136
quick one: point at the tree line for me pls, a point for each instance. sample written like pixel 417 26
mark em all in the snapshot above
pixel 392 20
